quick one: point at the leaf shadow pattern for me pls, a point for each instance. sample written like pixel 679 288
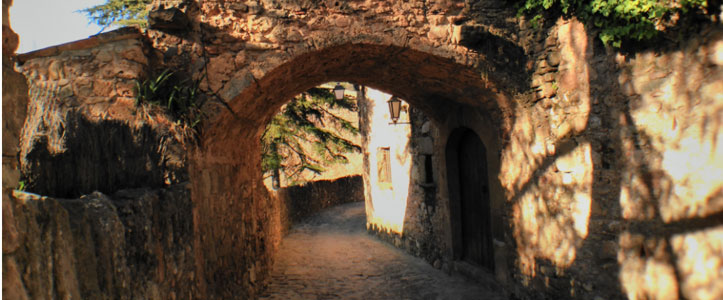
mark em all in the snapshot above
pixel 643 238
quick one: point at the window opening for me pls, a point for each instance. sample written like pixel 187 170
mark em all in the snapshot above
pixel 384 167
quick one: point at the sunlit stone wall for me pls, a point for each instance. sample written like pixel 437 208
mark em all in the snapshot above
pixel 386 203
pixel 607 167
pixel 671 185
pixel 84 131
pixel 403 209
pixel 547 167
pixel 613 173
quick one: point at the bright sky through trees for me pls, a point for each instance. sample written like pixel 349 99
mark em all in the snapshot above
pixel 44 23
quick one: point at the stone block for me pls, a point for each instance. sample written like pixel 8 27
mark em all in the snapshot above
pixel 134 52
pixel 122 69
pixel 440 32
pixel 546 90
pixel 426 127
pixel 261 46
pixel 12 280
pixel 168 19
pixel 14 111
pixel 277 35
pixel 236 85
pixel 82 87
pixel 104 56
pixel 124 88
pixel 425 145
pixel 553 59
pixel 55 70
pixel 102 87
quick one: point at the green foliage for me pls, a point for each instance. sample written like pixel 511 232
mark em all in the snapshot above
pixel 178 97
pixel 617 20
pixel 22 186
pixel 300 138
pixel 119 12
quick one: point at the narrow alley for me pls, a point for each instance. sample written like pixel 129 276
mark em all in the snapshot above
pixel 330 256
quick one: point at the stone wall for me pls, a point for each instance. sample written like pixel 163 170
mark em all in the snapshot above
pixel 302 201
pixel 595 190
pixel 601 165
pixel 14 99
pixel 252 57
pixel 84 132
pixel 602 199
pixel 401 208
pixel 135 244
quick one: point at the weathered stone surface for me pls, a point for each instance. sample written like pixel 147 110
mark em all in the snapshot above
pixel 305 200
pixel 168 19
pixel 15 101
pixel 135 244
pixel 14 110
pixel 14 106
pixel 89 155
pixel 635 136
pixel 80 121
pixel 319 249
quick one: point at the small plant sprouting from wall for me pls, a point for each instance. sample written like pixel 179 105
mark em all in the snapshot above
pixel 22 185
pixel 179 97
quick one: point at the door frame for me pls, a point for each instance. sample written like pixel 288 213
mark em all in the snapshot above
pixel 455 201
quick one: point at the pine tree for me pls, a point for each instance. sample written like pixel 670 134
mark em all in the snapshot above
pixel 308 121
pixel 119 12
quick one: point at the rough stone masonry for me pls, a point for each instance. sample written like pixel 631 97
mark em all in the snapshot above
pixel 602 165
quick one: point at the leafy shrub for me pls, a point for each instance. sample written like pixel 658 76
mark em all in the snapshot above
pixel 617 20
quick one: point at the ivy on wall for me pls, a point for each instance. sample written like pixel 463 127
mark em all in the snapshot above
pixel 617 20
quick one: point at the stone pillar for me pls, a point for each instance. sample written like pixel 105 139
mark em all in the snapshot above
pixel 15 100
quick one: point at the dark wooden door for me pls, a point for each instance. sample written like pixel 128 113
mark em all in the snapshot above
pixel 475 203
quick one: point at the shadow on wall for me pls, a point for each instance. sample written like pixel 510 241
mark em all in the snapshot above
pixel 671 201
pixel 66 154
pixel 135 244
pixel 619 196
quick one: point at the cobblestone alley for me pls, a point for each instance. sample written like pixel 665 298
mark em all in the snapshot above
pixel 330 256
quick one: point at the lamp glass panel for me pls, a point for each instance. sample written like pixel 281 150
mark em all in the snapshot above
pixel 394 108
pixel 339 92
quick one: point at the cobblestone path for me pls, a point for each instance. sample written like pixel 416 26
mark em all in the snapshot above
pixel 330 256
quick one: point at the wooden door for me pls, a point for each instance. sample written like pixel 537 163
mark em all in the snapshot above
pixel 474 201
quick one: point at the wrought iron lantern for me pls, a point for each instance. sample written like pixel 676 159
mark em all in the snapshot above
pixel 395 107
pixel 338 91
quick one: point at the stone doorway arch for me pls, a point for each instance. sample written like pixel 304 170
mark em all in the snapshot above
pixel 469 196
pixel 225 169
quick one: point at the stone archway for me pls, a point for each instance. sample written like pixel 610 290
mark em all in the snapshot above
pixel 253 60
pixel 225 173
pixel 469 191
pixel 569 125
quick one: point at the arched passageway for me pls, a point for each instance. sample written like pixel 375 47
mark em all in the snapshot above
pixel 588 174
pixel 225 172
